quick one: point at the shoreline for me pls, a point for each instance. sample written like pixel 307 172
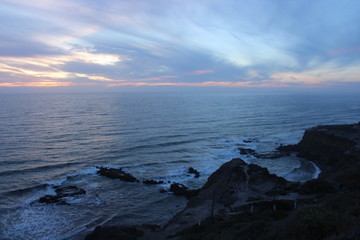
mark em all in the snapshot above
pixel 263 197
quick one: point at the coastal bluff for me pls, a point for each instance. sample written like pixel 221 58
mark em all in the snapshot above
pixel 245 201
pixel 336 150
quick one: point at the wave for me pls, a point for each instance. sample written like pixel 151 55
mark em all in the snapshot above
pixel 163 144
pixel 27 189
pixel 38 168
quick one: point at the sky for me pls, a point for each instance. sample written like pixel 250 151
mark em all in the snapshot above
pixel 125 44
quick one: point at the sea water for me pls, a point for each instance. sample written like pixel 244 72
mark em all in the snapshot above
pixel 57 140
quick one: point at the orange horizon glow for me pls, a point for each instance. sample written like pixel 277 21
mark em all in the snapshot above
pixel 37 84
pixel 202 71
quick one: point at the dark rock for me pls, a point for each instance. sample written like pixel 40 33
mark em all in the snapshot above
pixel 192 193
pixel 49 199
pixel 194 171
pixel 329 144
pixel 247 151
pixel 317 186
pixel 335 149
pixel 68 191
pixel 116 173
pixel 182 190
pixel 259 175
pixel 153 182
pixel 288 148
pixel 114 233
pixel 178 189
pixel 253 199
pixel 61 193
pixel 247 140
pixel 162 190
pixel 152 227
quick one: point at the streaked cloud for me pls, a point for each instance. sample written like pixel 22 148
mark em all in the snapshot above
pixel 202 71
pixel 264 43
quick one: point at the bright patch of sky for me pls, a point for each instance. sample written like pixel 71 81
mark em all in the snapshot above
pixel 112 44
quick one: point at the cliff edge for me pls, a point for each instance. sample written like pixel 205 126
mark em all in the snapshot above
pixel 245 201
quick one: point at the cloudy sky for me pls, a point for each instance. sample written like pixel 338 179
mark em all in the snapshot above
pixel 117 44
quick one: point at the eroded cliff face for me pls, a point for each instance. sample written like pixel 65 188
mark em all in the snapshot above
pixel 241 201
pixel 329 144
pixel 233 185
pixel 335 149
pixel 334 199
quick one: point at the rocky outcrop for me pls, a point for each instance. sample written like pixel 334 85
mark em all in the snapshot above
pixel 234 184
pixel 336 150
pixel 61 194
pixel 115 233
pixel 330 144
pixel 245 201
pixel 152 182
pixel 279 152
pixel 324 208
pixel 182 190
pixel 194 171
pixel 116 173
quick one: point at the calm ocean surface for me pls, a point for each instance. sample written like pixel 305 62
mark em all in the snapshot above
pixel 57 139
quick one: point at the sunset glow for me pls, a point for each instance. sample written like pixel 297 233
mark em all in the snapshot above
pixel 237 44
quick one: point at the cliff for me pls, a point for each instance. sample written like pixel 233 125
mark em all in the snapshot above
pixel 241 201
pixel 336 150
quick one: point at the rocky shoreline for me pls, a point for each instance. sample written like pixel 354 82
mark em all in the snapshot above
pixel 245 201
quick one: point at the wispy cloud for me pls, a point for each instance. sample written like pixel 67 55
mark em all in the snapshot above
pixel 179 43
pixel 202 71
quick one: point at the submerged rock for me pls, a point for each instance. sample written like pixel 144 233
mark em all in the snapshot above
pixel 247 151
pixel 180 189
pixel 61 193
pixel 152 182
pixel 162 190
pixel 114 233
pixel 194 171
pixel 288 148
pixel 116 173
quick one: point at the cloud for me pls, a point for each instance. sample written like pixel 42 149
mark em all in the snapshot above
pixel 202 71
pixel 202 43
pixel 37 84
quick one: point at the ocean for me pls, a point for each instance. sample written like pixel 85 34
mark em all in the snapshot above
pixel 58 140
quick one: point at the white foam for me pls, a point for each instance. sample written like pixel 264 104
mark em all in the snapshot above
pixel 47 191
pixel 40 222
pixel 317 170
pixel 86 171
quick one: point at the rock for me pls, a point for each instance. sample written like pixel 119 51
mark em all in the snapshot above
pixel 152 227
pixel 114 233
pixel 288 148
pixel 319 187
pixel 153 182
pixel 61 193
pixel 68 191
pixel 162 190
pixel 247 151
pixel 329 144
pixel 182 190
pixel 116 173
pixel 233 184
pixel 335 149
pixel 51 199
pixel 194 171
pixel 246 201
pixel 178 189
